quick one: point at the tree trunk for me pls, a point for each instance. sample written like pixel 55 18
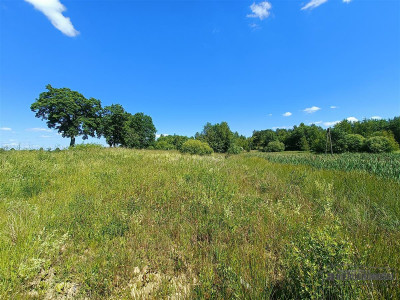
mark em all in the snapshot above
pixel 72 144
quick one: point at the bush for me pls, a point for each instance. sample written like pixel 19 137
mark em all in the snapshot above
pixel 275 146
pixel 354 142
pixel 378 144
pixel 164 145
pixel 235 149
pixel 196 147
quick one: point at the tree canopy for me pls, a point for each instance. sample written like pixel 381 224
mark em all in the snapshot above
pixel 69 112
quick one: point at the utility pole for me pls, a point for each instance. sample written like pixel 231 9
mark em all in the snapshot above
pixel 328 140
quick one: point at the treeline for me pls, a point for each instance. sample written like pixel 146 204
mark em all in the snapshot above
pixel 374 136
pixel 364 136
pixel 73 115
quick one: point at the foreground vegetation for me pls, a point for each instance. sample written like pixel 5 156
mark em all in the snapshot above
pixel 120 223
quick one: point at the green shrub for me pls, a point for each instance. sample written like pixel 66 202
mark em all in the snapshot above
pixel 234 149
pixel 312 258
pixel 378 144
pixel 275 146
pixel 196 147
pixel 164 145
pixel 354 142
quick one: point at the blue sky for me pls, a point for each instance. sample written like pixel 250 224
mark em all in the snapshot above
pixel 256 65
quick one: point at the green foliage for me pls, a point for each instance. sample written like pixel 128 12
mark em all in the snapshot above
pixel 218 136
pixel 120 223
pixel 384 165
pixel 139 131
pixel 164 145
pixel 235 149
pixel 69 112
pixel 311 258
pixel 275 146
pixel 262 138
pixel 166 141
pixel 89 146
pixel 378 144
pixel 196 147
pixel 354 142
pixel 113 122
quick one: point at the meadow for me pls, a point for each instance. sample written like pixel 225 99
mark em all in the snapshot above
pixel 146 224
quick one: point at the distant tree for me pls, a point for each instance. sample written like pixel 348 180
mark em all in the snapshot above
pixel 262 138
pixel 354 142
pixel 175 140
pixel 378 144
pixel 69 112
pixel 196 147
pixel 218 136
pixel 394 126
pixel 140 131
pixel 275 146
pixel 113 122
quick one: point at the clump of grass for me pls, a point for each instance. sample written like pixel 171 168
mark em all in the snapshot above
pixel 115 223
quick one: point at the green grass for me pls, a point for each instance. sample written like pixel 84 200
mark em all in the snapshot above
pixel 118 223
pixel 385 164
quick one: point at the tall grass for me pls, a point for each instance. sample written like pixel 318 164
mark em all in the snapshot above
pixel 385 164
pixel 117 223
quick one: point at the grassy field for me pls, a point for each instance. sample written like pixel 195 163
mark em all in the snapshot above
pixel 118 223
pixel 385 164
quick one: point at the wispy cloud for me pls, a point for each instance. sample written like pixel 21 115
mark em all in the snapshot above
pixel 260 10
pixel 287 114
pixel 312 109
pixel 346 1
pixel 333 106
pixel 376 118
pixel 45 136
pixel 5 128
pixel 316 123
pixel 39 129
pixel 53 10
pixel 329 124
pixel 313 4
pixel 352 119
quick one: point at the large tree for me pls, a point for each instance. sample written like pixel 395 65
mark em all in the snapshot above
pixel 69 112
pixel 140 131
pixel 218 136
pixel 113 122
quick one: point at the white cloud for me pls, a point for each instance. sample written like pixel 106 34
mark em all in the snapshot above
pixel 39 129
pixel 316 123
pixel 260 10
pixel 376 118
pixel 162 134
pixel 352 119
pixel 333 107
pixel 313 4
pixel 53 10
pixel 269 115
pixel 45 136
pixel 329 124
pixel 287 114
pixel 5 129
pixel 346 1
pixel 311 110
